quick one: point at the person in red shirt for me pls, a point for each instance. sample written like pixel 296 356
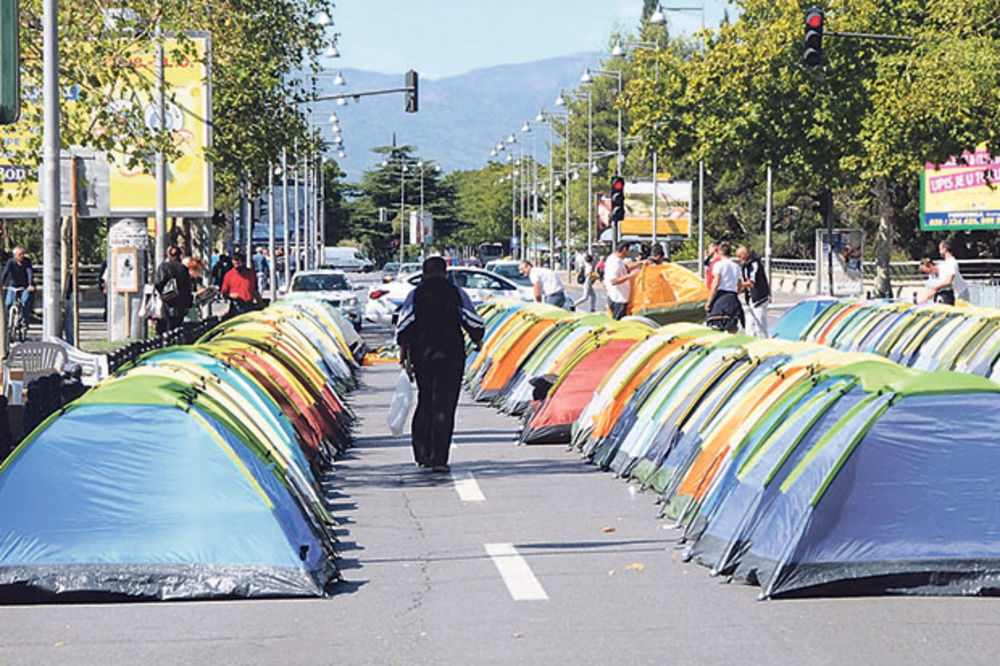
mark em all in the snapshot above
pixel 711 259
pixel 240 286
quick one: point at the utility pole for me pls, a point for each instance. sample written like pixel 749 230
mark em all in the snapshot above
pixel 50 192
pixel 160 251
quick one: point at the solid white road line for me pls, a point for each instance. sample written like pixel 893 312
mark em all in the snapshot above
pixel 516 574
pixel 467 488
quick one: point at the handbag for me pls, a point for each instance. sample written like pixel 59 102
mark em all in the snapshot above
pixel 170 291
pixel 401 404
pixel 152 304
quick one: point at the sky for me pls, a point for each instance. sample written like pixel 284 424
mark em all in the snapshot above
pixel 442 38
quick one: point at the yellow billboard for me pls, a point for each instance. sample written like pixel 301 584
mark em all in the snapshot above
pixel 962 193
pixel 673 210
pixel 129 191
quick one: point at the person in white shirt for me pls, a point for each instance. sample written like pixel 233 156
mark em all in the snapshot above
pixel 618 272
pixel 723 308
pixel 547 285
pixel 950 284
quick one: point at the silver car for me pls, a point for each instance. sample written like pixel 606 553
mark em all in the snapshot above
pixel 331 286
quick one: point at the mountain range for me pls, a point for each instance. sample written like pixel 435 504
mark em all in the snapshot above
pixel 460 118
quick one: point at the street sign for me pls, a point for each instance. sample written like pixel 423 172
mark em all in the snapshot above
pixel 515 242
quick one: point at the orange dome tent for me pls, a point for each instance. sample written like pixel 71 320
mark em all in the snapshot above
pixel 667 293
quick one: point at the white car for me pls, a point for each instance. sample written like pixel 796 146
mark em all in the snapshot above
pixel 510 270
pixel 385 300
pixel 330 286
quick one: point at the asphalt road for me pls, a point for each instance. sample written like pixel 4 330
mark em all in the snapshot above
pixel 521 555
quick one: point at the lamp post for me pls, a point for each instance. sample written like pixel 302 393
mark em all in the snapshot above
pixel 404 165
pixel 588 79
pixel 284 213
pixel 620 51
pixel 561 101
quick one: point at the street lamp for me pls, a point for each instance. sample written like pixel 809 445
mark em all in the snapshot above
pixel 566 194
pixel 561 101
pixel 660 18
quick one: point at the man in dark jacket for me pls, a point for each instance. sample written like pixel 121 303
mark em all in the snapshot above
pixel 756 291
pixel 18 274
pixel 430 339
pixel 173 284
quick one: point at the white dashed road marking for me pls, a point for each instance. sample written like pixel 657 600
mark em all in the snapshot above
pixel 516 574
pixel 467 488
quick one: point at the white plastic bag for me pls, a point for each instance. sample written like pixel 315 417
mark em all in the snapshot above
pixel 401 404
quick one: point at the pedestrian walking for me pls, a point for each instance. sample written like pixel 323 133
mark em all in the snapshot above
pixel 240 286
pixel 756 291
pixel 723 307
pixel 173 284
pixel 220 267
pixel 432 348
pixel 590 278
pixel 950 284
pixel 547 285
pixel 618 272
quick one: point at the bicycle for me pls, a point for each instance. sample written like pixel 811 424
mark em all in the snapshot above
pixel 17 323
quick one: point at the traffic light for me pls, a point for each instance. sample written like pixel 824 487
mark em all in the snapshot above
pixel 812 48
pixel 10 62
pixel 617 199
pixel 411 92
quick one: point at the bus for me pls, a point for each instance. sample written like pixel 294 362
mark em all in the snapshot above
pixel 488 252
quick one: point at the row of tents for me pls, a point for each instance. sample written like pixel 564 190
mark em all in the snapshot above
pixel 927 337
pixel 789 465
pixel 193 472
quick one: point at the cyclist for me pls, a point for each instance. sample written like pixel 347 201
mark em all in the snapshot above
pixel 18 274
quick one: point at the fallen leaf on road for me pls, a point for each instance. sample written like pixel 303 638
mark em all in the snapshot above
pixel 607 529
pixel 518 634
pixel 611 573
pixel 60 643
pixel 635 566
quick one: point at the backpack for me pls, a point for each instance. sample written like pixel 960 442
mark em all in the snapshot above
pixel 581 277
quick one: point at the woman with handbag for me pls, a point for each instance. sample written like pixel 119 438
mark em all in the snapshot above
pixel 173 284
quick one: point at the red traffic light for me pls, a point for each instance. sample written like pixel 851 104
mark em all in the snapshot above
pixel 814 19
pixel 618 184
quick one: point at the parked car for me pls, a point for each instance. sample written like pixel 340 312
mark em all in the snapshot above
pixel 385 300
pixel 409 268
pixel 346 259
pixel 389 271
pixel 331 286
pixel 508 269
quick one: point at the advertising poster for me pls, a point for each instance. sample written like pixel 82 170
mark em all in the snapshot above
pixel 126 272
pixel 129 191
pixel 962 193
pixel 847 246
pixel 673 214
